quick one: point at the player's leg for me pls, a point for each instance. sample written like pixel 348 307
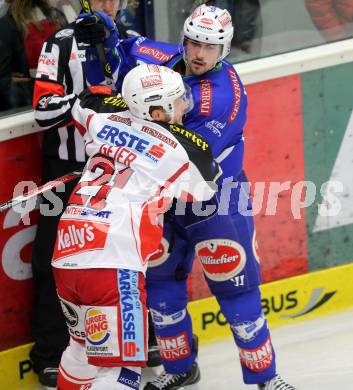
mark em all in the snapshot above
pixel 231 268
pixel 112 307
pixel 232 273
pixel 167 300
pixel 49 330
pixel 74 370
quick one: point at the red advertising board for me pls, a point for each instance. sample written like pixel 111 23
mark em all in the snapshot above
pixel 19 162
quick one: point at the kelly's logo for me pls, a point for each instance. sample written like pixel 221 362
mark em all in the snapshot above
pixel 76 236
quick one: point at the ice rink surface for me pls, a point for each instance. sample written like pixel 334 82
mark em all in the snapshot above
pixel 312 355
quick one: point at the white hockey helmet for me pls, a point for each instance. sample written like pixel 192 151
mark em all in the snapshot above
pixel 153 85
pixel 210 24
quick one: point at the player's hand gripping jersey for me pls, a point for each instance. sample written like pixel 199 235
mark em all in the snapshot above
pixel 135 168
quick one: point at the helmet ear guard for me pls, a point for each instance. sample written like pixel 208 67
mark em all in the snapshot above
pixel 212 25
pixel 150 85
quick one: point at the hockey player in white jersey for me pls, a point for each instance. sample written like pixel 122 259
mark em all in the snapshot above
pixel 140 159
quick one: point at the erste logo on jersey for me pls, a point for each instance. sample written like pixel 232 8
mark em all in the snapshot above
pixel 221 259
pixel 205 97
pixel 77 236
pixel 154 53
pixel 156 151
pixel 258 359
pixel 120 138
pixel 96 326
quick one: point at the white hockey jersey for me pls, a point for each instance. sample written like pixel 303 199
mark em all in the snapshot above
pixel 114 218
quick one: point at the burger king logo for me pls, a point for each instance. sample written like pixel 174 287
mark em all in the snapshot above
pixel 221 259
pixel 96 324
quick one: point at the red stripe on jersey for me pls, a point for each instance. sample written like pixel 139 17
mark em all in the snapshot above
pixel 173 178
pixel 88 121
pixel 74 378
pixel 45 88
pixel 151 232
pixel 80 128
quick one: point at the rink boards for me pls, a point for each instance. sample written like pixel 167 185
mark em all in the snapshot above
pixel 284 302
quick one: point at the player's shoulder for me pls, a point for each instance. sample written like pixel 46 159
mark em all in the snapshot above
pixel 153 51
pixel 220 88
pixel 101 99
pixel 191 141
pixel 226 79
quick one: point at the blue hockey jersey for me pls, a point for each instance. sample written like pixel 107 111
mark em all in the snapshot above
pixel 220 101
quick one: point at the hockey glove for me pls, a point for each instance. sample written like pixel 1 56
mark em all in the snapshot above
pixel 97 28
pixel 89 29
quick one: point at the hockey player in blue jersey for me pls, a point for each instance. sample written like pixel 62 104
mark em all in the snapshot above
pixel 224 243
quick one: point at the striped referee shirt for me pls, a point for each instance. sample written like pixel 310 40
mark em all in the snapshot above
pixel 59 79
